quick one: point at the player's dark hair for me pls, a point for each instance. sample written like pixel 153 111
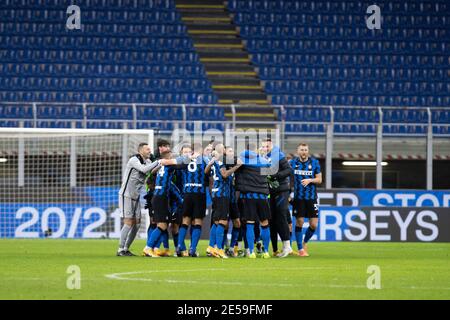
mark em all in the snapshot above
pixel 162 143
pixel 141 145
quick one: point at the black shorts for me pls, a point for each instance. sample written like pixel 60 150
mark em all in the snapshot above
pixel 194 205
pixel 220 208
pixel 254 209
pixel 234 211
pixel 161 211
pixel 288 217
pixel 148 199
pixel 305 208
pixel 177 216
pixel 279 204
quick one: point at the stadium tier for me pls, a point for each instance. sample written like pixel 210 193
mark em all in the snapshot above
pixel 305 53
pixel 158 117
pixel 127 51
pixel 322 53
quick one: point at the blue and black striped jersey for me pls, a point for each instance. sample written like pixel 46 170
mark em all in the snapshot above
pixel 178 180
pixel 231 183
pixel 232 189
pixel 221 186
pixel 175 197
pixel 305 170
pixel 195 179
pixel 163 180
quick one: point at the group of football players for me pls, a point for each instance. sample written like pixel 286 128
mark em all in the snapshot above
pixel 252 195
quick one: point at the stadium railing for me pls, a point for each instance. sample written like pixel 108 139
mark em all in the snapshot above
pixel 324 121
pixel 291 120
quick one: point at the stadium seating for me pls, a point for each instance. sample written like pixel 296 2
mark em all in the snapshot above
pixel 322 53
pixel 307 54
pixel 127 51
pixel 109 116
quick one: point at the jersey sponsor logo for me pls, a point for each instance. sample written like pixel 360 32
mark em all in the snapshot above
pixel 193 185
pixel 303 172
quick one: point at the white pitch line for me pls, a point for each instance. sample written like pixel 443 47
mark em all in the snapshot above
pixel 120 276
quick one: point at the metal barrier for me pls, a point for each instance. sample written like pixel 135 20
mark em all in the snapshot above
pixel 280 121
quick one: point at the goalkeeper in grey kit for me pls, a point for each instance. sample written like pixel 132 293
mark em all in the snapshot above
pixel 129 205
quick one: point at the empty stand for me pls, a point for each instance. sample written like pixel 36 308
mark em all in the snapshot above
pixel 126 51
pixel 322 53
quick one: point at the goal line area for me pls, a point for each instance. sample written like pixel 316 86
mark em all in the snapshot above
pixel 63 183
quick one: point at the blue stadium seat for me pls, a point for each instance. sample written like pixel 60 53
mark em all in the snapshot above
pixel 16 111
pixel 16 123
pixel 105 124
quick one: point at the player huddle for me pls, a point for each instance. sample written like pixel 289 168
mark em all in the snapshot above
pixel 253 190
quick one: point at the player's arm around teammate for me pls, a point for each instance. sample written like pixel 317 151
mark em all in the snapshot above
pixel 221 199
pixel 194 205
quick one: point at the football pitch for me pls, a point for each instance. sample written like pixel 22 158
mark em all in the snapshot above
pixel 38 269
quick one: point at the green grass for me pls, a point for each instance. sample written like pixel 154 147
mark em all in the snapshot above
pixel 36 269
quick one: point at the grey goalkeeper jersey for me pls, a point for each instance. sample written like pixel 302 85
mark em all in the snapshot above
pixel 134 177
